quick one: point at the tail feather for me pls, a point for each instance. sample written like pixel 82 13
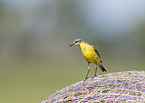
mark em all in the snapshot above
pixel 103 68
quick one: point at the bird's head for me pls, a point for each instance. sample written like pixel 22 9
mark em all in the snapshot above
pixel 76 42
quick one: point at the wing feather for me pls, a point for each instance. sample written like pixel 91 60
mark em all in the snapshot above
pixel 97 52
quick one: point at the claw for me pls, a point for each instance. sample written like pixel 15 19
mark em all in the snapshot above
pixel 85 79
pixel 94 76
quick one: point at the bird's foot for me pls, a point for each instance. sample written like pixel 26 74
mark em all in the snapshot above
pixel 85 79
pixel 94 76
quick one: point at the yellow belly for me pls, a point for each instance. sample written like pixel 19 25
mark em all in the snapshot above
pixel 89 53
pixel 91 56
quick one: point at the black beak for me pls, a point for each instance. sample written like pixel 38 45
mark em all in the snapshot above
pixel 71 45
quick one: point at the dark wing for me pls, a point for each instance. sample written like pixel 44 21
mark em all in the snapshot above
pixel 97 52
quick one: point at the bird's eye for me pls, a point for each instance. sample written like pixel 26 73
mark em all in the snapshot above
pixel 76 41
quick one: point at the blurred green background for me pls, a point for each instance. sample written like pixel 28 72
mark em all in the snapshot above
pixel 35 58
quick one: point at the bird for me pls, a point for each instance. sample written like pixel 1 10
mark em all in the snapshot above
pixel 91 55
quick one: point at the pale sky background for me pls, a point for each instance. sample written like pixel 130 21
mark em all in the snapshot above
pixel 112 17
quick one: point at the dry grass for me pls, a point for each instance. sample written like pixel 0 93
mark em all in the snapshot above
pixel 128 86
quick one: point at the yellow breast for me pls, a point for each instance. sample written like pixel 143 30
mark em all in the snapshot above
pixel 89 53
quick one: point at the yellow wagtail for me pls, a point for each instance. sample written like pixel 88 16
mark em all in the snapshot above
pixel 91 55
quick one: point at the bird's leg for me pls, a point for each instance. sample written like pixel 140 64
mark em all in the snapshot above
pixel 87 72
pixel 95 71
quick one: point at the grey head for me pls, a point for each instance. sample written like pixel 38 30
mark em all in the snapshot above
pixel 76 41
